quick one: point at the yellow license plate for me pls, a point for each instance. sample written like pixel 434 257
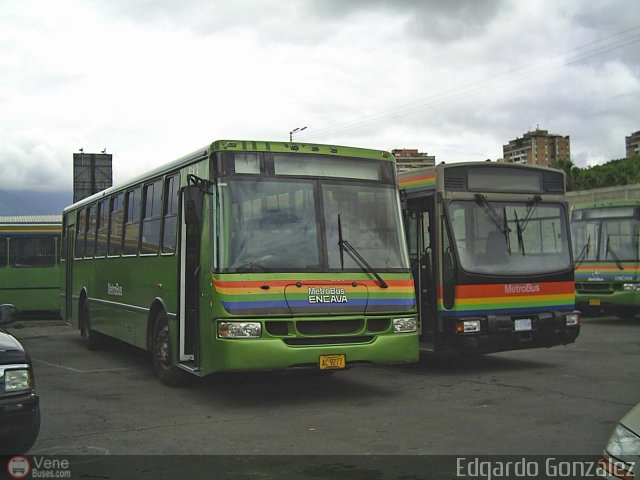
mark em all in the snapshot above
pixel 331 362
pixel 594 302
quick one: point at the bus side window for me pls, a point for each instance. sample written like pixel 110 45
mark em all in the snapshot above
pixel 103 229
pixel 3 252
pixel 116 216
pixel 90 244
pixel 152 218
pixel 170 214
pixel 132 222
pixel 80 232
pixel 33 252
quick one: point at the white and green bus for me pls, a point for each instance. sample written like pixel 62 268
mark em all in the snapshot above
pixel 247 256
pixel 607 250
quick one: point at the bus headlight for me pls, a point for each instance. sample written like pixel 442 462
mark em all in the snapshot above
pixel 631 287
pixel 239 329
pixel 468 326
pixel 405 325
pixel 17 380
pixel 572 319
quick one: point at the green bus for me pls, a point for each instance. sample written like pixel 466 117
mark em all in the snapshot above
pixel 490 252
pixel 29 263
pixel 247 256
pixel 605 244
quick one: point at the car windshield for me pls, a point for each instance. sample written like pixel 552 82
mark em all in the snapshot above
pixel 510 238
pixel 292 224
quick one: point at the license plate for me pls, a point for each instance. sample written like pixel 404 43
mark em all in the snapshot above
pixel 331 362
pixel 594 302
pixel 522 324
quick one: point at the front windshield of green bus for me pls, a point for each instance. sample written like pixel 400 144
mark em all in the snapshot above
pixel 510 238
pixel 291 224
pixel 585 235
pixel 608 240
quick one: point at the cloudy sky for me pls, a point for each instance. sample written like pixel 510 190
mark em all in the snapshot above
pixel 151 80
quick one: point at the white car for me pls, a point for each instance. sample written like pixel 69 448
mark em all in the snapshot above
pixel 621 456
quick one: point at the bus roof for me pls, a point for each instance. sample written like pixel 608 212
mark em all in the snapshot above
pixel 607 203
pixel 241 146
pixel 425 179
pixel 31 220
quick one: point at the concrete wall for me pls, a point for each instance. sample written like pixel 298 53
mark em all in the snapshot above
pixel 624 192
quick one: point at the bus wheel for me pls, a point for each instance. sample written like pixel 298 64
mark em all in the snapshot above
pixel 92 339
pixel 626 313
pixel 167 372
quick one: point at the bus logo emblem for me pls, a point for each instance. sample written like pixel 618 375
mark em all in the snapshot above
pixel 327 295
pixel 114 289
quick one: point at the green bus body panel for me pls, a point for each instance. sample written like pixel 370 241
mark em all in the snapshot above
pixel 30 288
pixel 123 292
pixel 596 278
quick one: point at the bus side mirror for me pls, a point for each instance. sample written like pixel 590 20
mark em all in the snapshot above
pixel 7 314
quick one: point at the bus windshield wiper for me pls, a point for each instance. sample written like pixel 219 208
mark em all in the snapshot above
pixel 531 207
pixel 345 246
pixel 613 255
pixel 519 230
pixel 493 216
pixel 584 252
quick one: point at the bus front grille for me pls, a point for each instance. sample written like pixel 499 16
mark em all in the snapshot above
pixel 329 327
pixel 594 287
pixel 328 340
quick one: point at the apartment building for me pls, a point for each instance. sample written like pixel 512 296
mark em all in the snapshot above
pixel 408 158
pixel 538 147
pixel 632 144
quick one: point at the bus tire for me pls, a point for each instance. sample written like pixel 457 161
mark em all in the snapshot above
pixel 92 339
pixel 161 350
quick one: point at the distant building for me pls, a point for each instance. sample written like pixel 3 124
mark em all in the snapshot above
pixel 632 143
pixel 408 158
pixel 92 173
pixel 538 147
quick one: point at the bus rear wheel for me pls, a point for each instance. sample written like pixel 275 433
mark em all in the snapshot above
pixel 166 371
pixel 92 339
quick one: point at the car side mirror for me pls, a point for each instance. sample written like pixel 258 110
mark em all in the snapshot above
pixel 7 314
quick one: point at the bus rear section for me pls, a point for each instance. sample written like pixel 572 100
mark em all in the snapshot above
pixel 29 263
pixel 605 247
pixel 490 252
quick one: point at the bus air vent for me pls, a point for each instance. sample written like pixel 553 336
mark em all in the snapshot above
pixel 328 340
pixel 329 327
pixel 455 180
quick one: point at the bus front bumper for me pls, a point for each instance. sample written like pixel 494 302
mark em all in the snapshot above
pixel 267 354
pixel 499 333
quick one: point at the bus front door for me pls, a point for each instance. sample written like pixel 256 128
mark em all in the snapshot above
pixel 191 233
pixel 422 268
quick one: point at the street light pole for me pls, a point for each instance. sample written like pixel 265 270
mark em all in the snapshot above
pixel 295 130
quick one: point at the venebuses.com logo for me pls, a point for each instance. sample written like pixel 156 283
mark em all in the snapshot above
pixel 38 467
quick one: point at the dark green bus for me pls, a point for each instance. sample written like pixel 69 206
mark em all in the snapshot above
pixel 247 255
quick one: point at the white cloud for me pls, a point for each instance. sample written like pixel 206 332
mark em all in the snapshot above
pixel 154 80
